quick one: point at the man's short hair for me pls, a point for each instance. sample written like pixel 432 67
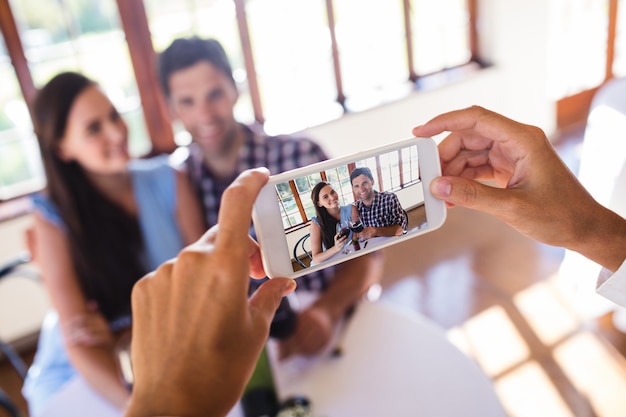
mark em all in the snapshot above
pixel 185 52
pixel 361 171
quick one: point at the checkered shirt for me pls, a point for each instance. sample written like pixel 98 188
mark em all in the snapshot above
pixel 278 154
pixel 385 211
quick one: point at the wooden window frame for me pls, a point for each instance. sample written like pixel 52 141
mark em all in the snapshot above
pixel 135 25
pixel 573 110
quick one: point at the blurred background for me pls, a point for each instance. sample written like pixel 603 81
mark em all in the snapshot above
pixel 353 74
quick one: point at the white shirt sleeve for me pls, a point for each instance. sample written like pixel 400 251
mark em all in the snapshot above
pixel 612 285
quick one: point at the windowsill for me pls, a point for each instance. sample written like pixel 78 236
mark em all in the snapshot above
pixel 16 207
pixel 298 227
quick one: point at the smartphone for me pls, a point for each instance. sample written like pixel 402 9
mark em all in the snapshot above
pixel 390 190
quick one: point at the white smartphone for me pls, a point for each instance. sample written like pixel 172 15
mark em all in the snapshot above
pixel 390 193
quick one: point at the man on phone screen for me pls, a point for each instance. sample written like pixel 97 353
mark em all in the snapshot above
pixel 380 212
pixel 197 80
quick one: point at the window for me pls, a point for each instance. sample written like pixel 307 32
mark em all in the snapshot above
pixel 579 31
pixel 339 178
pixel 587 35
pixel 390 171
pixel 20 166
pixel 395 170
pixel 296 64
pixel 292 52
pixel 298 81
pixel 83 36
pixel 441 35
pixel 372 51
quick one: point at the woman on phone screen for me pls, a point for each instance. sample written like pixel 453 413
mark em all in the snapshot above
pixel 102 222
pixel 327 238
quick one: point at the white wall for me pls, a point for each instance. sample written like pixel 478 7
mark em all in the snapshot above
pixel 513 37
pixel 23 300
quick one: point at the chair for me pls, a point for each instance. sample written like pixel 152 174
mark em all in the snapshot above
pixel 9 352
pixel 406 216
pixel 300 247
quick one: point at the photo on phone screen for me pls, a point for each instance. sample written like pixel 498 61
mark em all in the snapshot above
pixel 317 216
pixel 386 191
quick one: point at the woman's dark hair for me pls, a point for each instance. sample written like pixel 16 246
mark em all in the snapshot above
pixel 105 241
pixel 328 223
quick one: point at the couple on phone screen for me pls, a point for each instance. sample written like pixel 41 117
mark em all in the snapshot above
pixel 378 213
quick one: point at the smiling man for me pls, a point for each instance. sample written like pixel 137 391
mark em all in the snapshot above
pixel 380 212
pixel 197 79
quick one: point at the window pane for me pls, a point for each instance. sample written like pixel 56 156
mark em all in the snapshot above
pixel 20 165
pixel 83 36
pixel 372 51
pixel 577 55
pixel 346 191
pixel 283 189
pixel 440 34
pixel 293 57
pixel 310 211
pixel 410 165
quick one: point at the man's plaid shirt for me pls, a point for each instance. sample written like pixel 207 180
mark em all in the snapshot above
pixel 385 211
pixel 276 153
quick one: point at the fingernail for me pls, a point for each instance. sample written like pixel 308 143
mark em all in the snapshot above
pixel 262 170
pixel 290 287
pixel 441 188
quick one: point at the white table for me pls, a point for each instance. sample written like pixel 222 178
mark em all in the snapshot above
pixel 370 243
pixel 394 363
pixel 77 398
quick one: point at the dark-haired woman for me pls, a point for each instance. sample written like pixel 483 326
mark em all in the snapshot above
pixel 326 241
pixel 102 222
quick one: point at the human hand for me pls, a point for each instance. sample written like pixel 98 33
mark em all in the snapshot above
pixel 368 232
pixel 89 329
pixel 313 331
pixel 196 335
pixel 541 197
pixel 340 240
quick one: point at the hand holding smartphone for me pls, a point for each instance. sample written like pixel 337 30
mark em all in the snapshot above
pixel 381 195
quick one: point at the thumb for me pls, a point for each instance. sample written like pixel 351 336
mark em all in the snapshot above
pixel 457 191
pixel 266 299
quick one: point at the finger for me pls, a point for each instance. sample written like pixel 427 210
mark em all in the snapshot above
pixel 236 210
pixel 76 322
pixel 471 194
pixel 484 122
pixel 449 122
pixel 459 142
pixel 463 160
pixel 266 299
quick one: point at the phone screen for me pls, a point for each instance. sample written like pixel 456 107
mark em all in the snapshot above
pixel 376 199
